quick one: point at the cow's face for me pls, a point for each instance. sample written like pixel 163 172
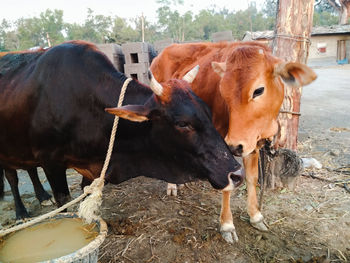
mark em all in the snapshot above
pixel 183 135
pixel 251 85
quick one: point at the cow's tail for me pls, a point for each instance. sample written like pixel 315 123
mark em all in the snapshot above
pixel 2 186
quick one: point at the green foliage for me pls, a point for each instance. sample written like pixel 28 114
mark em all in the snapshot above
pixel 325 18
pixel 96 28
pixel 4 26
pixel 324 14
pixel 270 8
pixel 122 32
pixel 171 23
pixel 201 26
pixel 51 22
pixel 323 6
pixel 208 22
pixel 34 31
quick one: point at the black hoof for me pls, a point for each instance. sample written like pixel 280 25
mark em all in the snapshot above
pixel 44 196
pixel 22 214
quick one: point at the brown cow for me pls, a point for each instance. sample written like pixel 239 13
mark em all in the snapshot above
pixel 242 84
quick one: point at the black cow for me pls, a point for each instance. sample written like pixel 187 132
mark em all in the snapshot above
pixel 53 102
pixel 12 178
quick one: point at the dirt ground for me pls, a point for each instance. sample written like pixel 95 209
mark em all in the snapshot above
pixel 309 224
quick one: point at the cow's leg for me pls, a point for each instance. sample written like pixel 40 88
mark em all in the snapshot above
pixel 251 167
pixel 40 193
pixel 171 189
pixel 85 182
pixel 227 228
pixel 12 178
pixel 56 175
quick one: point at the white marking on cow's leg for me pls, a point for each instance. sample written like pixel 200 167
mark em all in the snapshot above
pixel 251 167
pixel 227 228
pixel 258 222
pixel 48 202
pixel 171 190
pixel 256 218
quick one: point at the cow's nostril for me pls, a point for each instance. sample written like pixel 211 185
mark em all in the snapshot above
pixel 237 150
pixel 237 177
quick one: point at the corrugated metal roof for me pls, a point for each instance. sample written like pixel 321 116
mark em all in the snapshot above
pixel 330 30
pixel 268 34
pixel 322 30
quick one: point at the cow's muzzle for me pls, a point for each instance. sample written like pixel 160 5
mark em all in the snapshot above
pixel 235 179
pixel 236 150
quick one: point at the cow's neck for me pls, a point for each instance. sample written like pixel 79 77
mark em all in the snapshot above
pixel 130 138
pixel 136 93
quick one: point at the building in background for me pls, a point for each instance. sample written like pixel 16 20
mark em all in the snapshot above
pixel 328 44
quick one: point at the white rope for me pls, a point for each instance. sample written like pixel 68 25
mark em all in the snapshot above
pixel 88 209
pixel 95 189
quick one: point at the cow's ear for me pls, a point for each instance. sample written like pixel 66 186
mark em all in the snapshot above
pixel 295 74
pixel 219 68
pixel 137 113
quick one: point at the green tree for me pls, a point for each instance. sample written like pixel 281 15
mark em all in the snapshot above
pixel 96 28
pixel 34 31
pixel 208 22
pixel 30 33
pixel 330 8
pixel 269 11
pixel 74 31
pixel 171 23
pixel 122 32
pixel 270 8
pixel 4 26
pixel 324 14
pixel 247 20
pixel 51 23
pixel 324 19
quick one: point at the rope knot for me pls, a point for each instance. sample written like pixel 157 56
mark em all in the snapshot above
pixel 97 184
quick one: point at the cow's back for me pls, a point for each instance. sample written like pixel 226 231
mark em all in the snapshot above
pixel 43 96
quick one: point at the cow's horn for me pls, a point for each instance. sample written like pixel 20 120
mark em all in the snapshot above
pixel 155 86
pixel 189 77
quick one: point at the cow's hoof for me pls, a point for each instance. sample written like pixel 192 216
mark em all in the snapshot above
pixel 48 202
pixel 171 190
pixel 258 222
pixel 228 232
pixel 21 215
pixel 228 237
pixel 260 225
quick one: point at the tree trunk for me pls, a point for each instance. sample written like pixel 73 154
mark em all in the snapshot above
pixel 344 12
pixel 343 7
pixel 292 41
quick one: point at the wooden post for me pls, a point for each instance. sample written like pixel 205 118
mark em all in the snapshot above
pixel 143 27
pixel 292 40
pixel 48 39
pixel 291 43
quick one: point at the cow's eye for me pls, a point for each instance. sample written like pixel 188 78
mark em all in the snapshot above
pixel 183 125
pixel 258 92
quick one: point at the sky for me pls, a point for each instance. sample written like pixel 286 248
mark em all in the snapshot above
pixel 76 10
